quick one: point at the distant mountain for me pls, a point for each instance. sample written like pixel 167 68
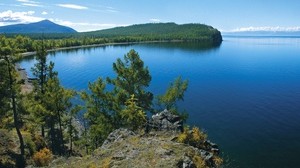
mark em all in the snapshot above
pixel 44 26
pixel 262 33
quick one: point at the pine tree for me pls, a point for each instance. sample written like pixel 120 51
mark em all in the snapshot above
pixel 8 54
pixel 173 94
pixel 98 112
pixel 132 78
pixel 132 115
pixel 40 70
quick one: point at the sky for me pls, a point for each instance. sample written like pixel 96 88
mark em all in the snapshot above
pixel 225 15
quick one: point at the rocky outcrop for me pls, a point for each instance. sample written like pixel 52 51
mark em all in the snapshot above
pixel 164 121
pixel 156 148
pixel 117 135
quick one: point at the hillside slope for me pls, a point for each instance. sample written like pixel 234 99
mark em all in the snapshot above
pixel 162 31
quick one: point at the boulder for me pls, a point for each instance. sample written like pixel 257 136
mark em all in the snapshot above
pixel 164 121
pixel 210 146
pixel 117 135
pixel 186 162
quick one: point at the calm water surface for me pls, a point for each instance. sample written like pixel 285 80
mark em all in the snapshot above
pixel 245 93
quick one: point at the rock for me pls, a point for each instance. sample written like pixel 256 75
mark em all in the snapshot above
pixel 117 135
pixel 212 147
pixel 119 156
pixel 210 144
pixel 164 121
pixel 207 157
pixel 215 150
pixel 186 163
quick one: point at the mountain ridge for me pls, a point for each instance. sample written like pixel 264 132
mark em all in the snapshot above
pixel 44 26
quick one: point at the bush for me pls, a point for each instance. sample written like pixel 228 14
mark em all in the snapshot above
pixel 193 137
pixel 29 144
pixel 38 141
pixel 42 157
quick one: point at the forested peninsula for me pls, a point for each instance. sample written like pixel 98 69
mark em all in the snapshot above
pixel 151 32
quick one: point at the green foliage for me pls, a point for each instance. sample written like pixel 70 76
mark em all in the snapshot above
pixel 133 115
pixel 98 113
pixel 30 145
pixel 174 93
pixel 132 78
pixel 11 98
pixel 160 32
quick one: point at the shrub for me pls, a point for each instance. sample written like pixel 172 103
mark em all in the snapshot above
pixel 29 144
pixel 42 157
pixel 38 141
pixel 193 137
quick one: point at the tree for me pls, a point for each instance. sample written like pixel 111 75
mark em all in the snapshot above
pixel 98 112
pixel 72 132
pixel 132 79
pixel 40 70
pixel 4 92
pixel 133 116
pixel 58 104
pixel 8 54
pixel 174 93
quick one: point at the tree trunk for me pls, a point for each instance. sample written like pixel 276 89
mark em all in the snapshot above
pixel 52 134
pixel 15 113
pixel 61 135
pixel 43 131
pixel 71 138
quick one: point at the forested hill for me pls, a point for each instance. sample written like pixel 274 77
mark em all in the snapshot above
pixel 158 32
pixel 162 31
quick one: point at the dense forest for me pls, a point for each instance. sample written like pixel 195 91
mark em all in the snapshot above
pixel 136 33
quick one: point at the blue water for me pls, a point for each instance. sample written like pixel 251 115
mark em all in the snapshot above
pixel 245 94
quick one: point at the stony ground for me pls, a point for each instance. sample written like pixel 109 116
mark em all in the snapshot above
pixel 156 149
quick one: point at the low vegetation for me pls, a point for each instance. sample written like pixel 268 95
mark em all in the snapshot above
pixel 42 158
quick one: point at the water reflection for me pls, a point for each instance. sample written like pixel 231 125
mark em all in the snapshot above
pixel 184 46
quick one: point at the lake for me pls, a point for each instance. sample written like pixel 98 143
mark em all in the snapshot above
pixel 245 93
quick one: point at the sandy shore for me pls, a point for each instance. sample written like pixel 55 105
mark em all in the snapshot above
pixel 26 87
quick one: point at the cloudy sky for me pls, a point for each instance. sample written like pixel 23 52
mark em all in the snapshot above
pixel 86 15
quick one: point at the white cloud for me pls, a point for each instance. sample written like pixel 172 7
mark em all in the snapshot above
pixel 31 4
pixel 266 28
pixel 111 9
pixel 9 16
pixel 44 13
pixel 86 26
pixel 27 1
pixel 72 6
pixel 154 20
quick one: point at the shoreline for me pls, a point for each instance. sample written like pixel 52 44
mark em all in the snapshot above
pixel 27 87
pixel 26 54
